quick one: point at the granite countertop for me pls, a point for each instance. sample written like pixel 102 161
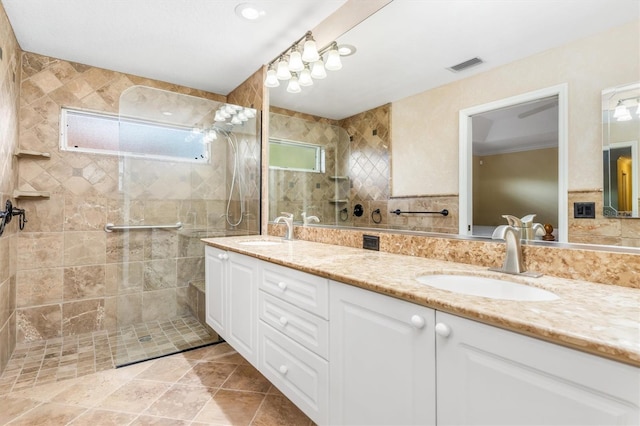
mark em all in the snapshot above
pixel 596 318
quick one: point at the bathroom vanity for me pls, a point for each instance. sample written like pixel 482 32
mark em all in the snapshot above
pixel 352 337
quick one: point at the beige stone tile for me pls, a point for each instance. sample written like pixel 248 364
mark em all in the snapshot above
pixel 124 278
pixel 129 309
pixel 46 80
pixel 49 413
pixel 39 286
pixel 125 246
pixel 4 259
pixel 84 248
pixel 209 374
pixel 160 274
pixel 181 402
pixel 103 418
pixel 39 323
pixel 230 408
pixel 84 282
pixel 40 250
pixel 189 269
pixel 44 215
pixel 84 213
pixel 247 378
pixel 87 391
pixel 30 92
pixel 146 420
pixel 13 406
pixel 63 71
pixel 160 244
pixel 82 316
pixel 159 304
pixel 135 396
pixel 209 353
pixel 167 369
pixel 278 410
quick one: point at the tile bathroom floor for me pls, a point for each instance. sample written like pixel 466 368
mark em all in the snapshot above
pixel 212 385
pixel 53 360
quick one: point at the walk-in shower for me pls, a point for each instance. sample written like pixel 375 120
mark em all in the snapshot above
pixel 189 168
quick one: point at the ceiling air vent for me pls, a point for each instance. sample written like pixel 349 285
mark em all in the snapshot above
pixel 466 64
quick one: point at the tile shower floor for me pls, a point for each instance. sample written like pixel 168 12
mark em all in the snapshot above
pixel 68 357
pixel 212 385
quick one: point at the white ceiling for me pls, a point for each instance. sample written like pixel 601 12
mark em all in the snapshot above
pixel 403 49
pixel 195 43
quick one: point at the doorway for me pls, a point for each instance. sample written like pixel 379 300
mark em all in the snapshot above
pixel 513 161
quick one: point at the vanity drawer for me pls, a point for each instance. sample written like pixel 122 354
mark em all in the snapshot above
pixel 303 290
pixel 309 330
pixel 299 374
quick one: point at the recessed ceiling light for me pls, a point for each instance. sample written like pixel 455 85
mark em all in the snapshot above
pixel 167 113
pixel 346 50
pixel 249 12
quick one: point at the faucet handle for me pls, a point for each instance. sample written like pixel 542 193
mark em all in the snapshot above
pixel 512 220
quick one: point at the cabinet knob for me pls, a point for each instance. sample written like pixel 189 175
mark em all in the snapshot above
pixel 443 329
pixel 282 285
pixel 223 256
pixel 417 321
pixel 283 369
pixel 283 321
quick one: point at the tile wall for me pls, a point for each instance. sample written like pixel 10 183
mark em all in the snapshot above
pixel 364 154
pixel 72 277
pixel 9 101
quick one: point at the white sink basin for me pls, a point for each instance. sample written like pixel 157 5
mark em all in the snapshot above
pixel 260 243
pixel 486 287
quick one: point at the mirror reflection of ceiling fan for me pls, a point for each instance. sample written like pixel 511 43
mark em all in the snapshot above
pixel 537 110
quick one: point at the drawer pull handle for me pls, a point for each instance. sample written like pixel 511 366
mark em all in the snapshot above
pixel 282 285
pixel 443 329
pixel 283 369
pixel 417 321
pixel 283 321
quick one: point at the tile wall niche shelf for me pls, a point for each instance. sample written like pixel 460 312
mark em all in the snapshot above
pixel 31 194
pixel 338 201
pixel 339 177
pixel 25 153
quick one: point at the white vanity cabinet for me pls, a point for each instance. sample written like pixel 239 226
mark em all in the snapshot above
pixel 293 337
pixel 232 299
pixel 382 369
pixel 486 375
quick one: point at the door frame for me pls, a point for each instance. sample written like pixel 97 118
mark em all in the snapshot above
pixel 466 154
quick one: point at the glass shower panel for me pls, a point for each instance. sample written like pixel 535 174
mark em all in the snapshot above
pixel 186 172
pixel 318 191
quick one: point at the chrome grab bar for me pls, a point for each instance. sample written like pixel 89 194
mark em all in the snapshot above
pixel 110 227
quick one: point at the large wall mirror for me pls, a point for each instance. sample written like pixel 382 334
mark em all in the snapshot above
pixel 399 106
pixel 620 136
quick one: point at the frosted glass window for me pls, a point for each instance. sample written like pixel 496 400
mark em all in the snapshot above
pixel 99 133
pixel 297 156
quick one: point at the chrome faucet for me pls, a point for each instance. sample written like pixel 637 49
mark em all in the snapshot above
pixel 287 218
pixel 307 219
pixel 513 263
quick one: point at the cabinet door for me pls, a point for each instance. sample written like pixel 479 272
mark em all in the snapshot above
pixel 215 307
pixel 242 307
pixel 382 368
pixel 487 375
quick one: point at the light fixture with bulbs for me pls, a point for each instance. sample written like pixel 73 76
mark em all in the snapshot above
pixel 621 112
pixel 302 62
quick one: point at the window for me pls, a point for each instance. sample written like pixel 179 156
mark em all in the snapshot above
pixel 101 133
pixel 296 156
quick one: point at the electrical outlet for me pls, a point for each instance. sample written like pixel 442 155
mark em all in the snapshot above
pixel 371 242
pixel 584 210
